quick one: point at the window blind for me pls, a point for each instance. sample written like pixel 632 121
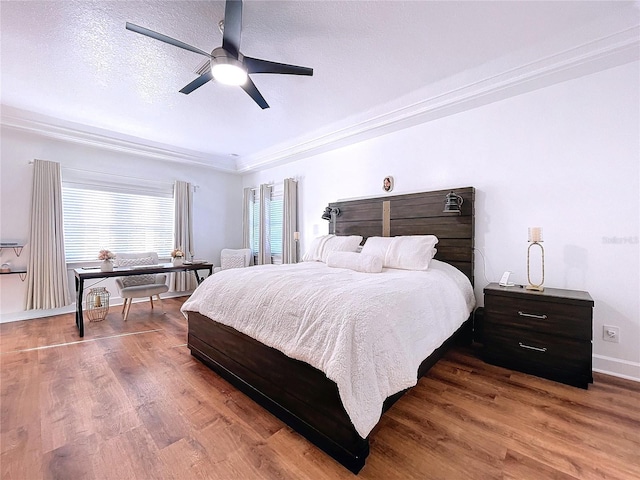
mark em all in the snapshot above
pixel 255 222
pixel 115 220
pixel 276 215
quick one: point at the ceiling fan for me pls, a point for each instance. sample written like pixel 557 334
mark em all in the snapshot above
pixel 228 65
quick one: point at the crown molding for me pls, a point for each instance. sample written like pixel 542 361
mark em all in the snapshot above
pixel 24 121
pixel 601 54
pixel 607 52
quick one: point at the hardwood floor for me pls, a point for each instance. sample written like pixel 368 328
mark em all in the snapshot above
pixel 129 402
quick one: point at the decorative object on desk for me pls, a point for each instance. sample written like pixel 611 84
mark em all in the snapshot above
pixel 535 238
pixel 387 184
pixel 97 304
pixel 5 268
pixel 107 258
pixel 452 203
pixel 177 257
pixel 106 266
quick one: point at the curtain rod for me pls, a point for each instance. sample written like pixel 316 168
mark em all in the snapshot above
pixel 270 184
pixel 195 186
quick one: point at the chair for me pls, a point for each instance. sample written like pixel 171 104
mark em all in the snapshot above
pixel 138 286
pixel 234 258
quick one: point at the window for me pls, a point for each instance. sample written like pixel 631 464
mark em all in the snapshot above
pixel 118 217
pixel 275 222
pixel 276 206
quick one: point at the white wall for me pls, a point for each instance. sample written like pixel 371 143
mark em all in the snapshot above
pixel 565 157
pixel 217 202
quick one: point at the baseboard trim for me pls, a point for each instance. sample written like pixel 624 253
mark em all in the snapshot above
pixel 35 314
pixel 616 367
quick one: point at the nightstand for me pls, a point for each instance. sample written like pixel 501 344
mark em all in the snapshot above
pixel 547 333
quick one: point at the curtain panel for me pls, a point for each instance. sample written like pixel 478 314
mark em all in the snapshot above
pixel 183 234
pixel 264 248
pixel 290 221
pixel 247 203
pixel 47 285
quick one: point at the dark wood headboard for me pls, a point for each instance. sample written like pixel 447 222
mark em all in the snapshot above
pixel 415 214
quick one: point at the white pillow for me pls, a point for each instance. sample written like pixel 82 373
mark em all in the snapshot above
pixel 314 253
pixel 355 261
pixel 412 252
pixel 377 246
pixel 341 244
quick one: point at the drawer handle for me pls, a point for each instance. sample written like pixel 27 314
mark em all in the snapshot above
pixel 537 349
pixel 522 314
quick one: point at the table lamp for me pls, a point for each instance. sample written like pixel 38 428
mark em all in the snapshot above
pixel 535 238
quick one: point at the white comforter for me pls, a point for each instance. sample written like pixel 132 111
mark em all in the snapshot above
pixel 368 332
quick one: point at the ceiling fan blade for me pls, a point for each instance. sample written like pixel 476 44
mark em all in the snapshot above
pixel 165 39
pixel 256 65
pixel 232 27
pixel 253 92
pixel 197 83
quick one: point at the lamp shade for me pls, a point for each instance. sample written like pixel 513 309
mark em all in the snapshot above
pixel 327 214
pixel 452 203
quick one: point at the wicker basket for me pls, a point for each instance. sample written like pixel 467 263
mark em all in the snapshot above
pixel 97 304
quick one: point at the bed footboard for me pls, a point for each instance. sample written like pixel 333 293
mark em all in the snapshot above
pixel 298 394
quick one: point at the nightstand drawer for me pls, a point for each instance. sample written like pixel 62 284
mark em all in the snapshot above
pixel 537 351
pixel 572 321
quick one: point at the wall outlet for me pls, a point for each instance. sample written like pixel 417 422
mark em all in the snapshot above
pixel 611 333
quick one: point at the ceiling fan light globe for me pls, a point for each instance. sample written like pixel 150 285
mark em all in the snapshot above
pixel 227 69
pixel 229 74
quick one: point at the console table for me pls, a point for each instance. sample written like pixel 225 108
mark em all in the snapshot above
pixel 82 274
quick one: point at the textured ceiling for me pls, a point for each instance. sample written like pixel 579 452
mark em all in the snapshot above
pixel 74 61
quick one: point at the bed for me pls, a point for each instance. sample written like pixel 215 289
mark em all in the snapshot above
pixel 294 390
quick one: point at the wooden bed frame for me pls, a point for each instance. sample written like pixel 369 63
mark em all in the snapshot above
pixel 302 396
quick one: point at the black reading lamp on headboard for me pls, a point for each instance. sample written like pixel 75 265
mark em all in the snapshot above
pixel 331 213
pixel 453 202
